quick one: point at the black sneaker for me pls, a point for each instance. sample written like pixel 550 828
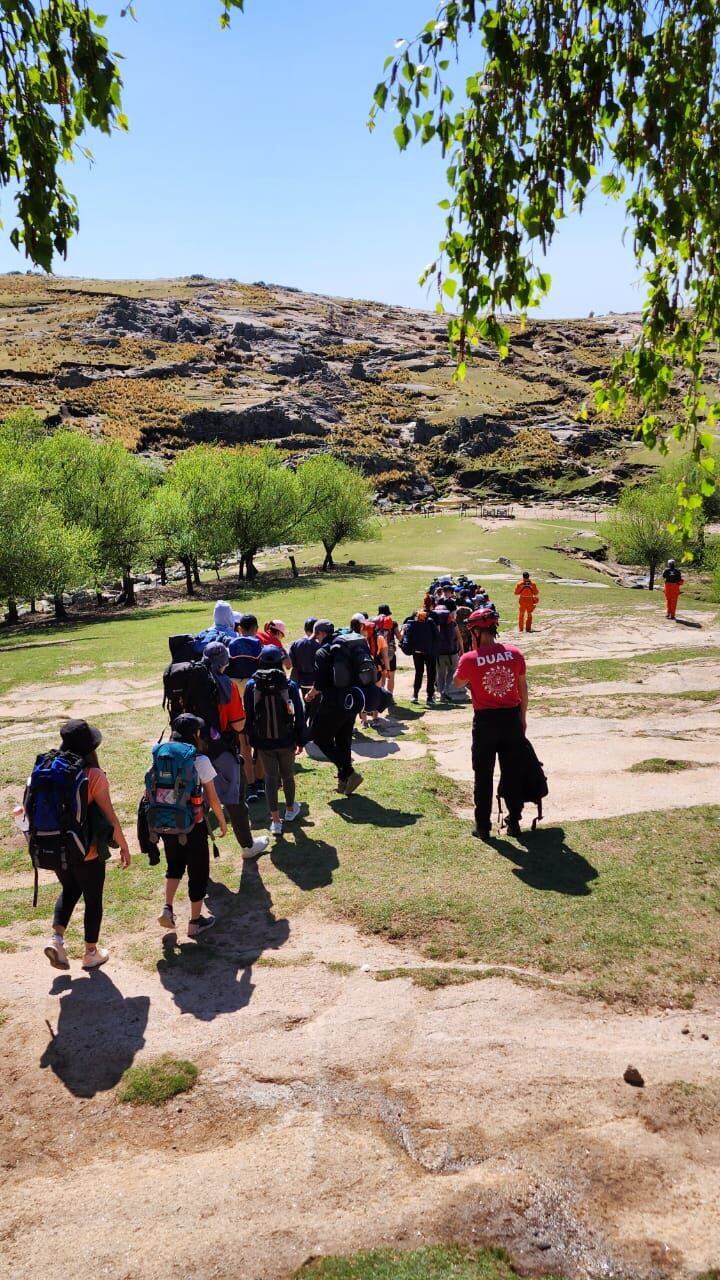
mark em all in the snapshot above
pixel 512 828
pixel 482 833
pixel 201 925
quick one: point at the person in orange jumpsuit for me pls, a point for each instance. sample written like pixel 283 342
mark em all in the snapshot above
pixel 528 596
pixel 673 581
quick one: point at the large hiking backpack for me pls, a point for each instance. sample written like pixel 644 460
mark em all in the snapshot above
pixel 173 792
pixel 56 808
pixel 182 648
pixel 189 686
pixel 386 627
pixel 532 782
pixel 210 634
pixel 352 661
pixel 274 713
pixel 407 643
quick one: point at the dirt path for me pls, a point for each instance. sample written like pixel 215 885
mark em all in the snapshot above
pixel 335 1111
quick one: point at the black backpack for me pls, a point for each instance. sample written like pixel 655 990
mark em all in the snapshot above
pixel 56 805
pixel 353 663
pixel 182 648
pixel 532 782
pixel 189 686
pixel 274 718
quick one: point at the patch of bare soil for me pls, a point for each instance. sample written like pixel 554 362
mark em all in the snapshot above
pixel 335 1112
pixel 32 709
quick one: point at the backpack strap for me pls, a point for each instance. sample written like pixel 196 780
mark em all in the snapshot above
pixel 539 815
pixel 35 885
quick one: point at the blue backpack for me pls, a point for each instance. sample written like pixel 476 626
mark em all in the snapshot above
pixel 173 793
pixel 56 806
pixel 206 637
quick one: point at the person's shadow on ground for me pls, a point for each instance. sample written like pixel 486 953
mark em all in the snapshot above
pixel 546 862
pixel 214 976
pixel 99 1031
pixel 689 622
pixel 359 810
pixel 309 863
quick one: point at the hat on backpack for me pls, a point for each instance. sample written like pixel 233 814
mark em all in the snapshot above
pixel 80 737
pixel 270 657
pixel 217 656
pixel 224 616
pixel 186 726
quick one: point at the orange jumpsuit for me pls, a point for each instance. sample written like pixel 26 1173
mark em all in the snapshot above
pixel 528 596
pixel 672 591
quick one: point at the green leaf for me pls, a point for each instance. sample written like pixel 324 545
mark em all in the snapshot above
pixel 402 135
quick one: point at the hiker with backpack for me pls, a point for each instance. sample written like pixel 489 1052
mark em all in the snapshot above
pixel 302 657
pixel 344 669
pixel 245 652
pixel 180 789
pixel 71 824
pixel 275 716
pixel 495 673
pixel 420 640
pixel 386 625
pixel 223 628
pixel 448 650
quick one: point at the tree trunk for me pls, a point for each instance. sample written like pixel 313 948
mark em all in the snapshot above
pixel 216 567
pixel 98 597
pixel 187 566
pixel 60 610
pixel 33 605
pixel 161 569
pixel 128 588
pixel 651 583
pixel 247 565
pixel 12 612
pixel 196 572
pixel 328 562
pixel 293 566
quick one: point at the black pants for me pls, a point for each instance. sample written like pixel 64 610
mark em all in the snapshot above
pixel 332 731
pixel 497 733
pixel 424 662
pixel 86 880
pixel 193 857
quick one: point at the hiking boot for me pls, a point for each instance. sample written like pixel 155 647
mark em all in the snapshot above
pixel 93 959
pixel 482 833
pixel 256 792
pixel 512 828
pixel 257 847
pixel 430 702
pixel 276 827
pixel 292 813
pixel 341 785
pixel 55 952
pixel 167 917
pixel 199 926
pixel 353 783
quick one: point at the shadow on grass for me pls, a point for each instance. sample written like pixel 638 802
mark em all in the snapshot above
pixel 214 976
pixel 99 1031
pixel 359 810
pixel 547 863
pixel 309 863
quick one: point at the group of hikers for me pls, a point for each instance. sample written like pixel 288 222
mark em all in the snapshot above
pixel 243 704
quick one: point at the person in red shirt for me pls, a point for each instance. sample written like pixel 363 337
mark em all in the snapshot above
pixel 495 675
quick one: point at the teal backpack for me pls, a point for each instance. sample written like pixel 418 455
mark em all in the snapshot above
pixel 173 792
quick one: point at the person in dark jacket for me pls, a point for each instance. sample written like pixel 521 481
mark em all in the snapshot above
pixel 275 725
pixel 302 655
pixel 448 650
pixel 337 710
pixel 422 639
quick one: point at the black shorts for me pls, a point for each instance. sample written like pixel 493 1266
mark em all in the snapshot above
pixel 393 663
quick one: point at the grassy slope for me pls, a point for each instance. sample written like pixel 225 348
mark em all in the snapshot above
pixel 617 904
pixel 443 1262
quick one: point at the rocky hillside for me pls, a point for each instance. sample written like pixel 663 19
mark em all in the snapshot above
pixel 163 364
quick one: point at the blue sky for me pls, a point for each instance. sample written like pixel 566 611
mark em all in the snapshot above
pixel 249 156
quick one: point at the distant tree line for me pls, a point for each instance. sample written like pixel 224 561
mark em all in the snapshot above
pixel 77 512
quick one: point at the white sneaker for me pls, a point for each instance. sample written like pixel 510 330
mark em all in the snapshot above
pixel 276 827
pixel 93 959
pixel 292 813
pixel 56 954
pixel 167 917
pixel 257 847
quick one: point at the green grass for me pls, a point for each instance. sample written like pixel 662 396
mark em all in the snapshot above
pixel 154 1081
pixel 658 764
pixel 440 1262
pixel 600 669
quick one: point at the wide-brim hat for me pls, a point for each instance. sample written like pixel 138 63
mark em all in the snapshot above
pixel 80 737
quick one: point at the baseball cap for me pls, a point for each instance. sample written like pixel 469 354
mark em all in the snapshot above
pixel 271 656
pixel 186 726
pixel 277 625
